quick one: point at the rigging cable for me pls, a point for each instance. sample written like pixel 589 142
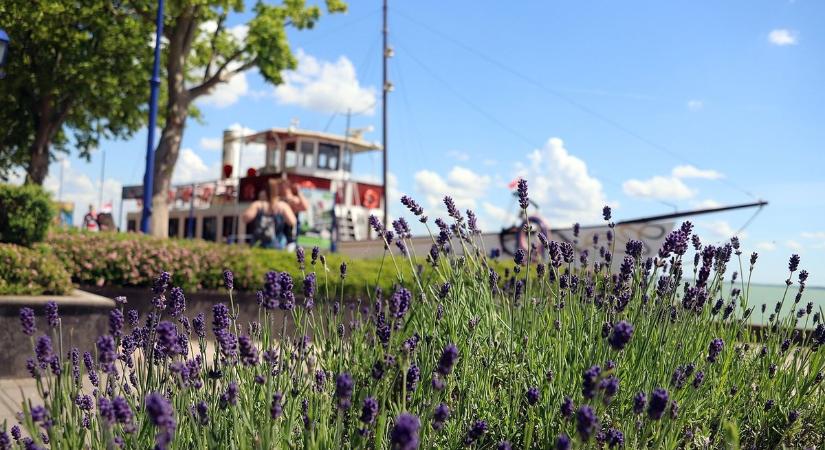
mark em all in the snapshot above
pixel 486 114
pixel 562 96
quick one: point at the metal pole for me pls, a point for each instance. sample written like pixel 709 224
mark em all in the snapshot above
pixel 154 83
pixel 102 178
pixel 384 92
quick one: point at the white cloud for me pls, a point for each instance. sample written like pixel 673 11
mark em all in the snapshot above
pixel 767 246
pixel 190 168
pixel 462 184
pixel 793 245
pixel 783 36
pixel 458 155
pixel 813 234
pixel 500 214
pixel 689 171
pixel 658 187
pixel 721 230
pixel 695 105
pixel 80 189
pixel 211 144
pixel 707 203
pixel 326 87
pixel 561 184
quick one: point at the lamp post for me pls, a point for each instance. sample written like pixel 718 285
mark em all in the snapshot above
pixel 4 48
pixel 154 83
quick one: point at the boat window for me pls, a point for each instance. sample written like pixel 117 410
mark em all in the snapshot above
pixel 174 223
pixel 131 225
pixel 228 230
pixel 209 228
pixel 308 154
pixel 189 231
pixel 347 162
pixel 290 158
pixel 328 156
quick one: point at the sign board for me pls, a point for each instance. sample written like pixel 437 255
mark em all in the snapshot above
pixel 315 226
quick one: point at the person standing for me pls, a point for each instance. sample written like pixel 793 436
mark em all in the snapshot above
pixel 271 218
pixel 90 220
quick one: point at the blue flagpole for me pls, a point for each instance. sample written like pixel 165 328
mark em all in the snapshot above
pixel 154 83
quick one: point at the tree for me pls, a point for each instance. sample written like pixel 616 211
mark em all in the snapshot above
pixel 203 52
pixel 76 73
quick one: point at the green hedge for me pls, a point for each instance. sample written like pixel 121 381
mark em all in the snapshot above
pixel 32 271
pixel 130 259
pixel 26 212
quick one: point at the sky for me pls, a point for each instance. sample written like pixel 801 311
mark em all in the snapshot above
pixel 647 106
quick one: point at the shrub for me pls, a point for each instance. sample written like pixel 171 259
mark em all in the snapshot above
pixel 130 259
pixel 31 271
pixel 26 213
pixel 454 356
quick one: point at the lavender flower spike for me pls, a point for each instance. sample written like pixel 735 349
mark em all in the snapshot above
pixel 404 434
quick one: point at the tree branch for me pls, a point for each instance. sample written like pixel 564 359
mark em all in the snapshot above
pixel 212 44
pixel 220 75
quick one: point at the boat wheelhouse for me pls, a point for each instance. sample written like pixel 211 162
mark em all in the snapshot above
pixel 319 163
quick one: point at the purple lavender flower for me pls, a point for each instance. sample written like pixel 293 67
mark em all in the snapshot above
pixel 309 286
pixel 343 390
pixel 714 349
pixel 793 416
pixel 452 211
pixel 504 445
pixel 639 403
pixel 659 399
pixel 369 411
pixel 440 415
pixel 133 317
pixel 199 324
pixel 249 354
pixel 610 386
pixel 52 317
pixel 116 323
pixel 220 318
pixel 314 254
pixel 166 334
pixel 621 334
pixel 15 432
pixel 43 351
pixel 27 321
pixel 5 441
pixel 404 433
pixel 523 200
pixel 343 270
pixel 447 360
pixel 793 262
pixel 615 438
pixel 590 379
pixel 162 415
pixel 519 257
pixel 563 442
pixel 276 409
pixel 476 431
pixel 586 422
pixel 230 396
pixel 123 413
pixel 533 394
pixel 567 407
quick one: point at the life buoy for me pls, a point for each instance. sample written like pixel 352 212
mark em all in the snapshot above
pixel 371 199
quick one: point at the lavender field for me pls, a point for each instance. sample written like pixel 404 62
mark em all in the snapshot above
pixel 547 350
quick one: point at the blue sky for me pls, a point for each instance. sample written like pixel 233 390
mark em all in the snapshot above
pixel 647 106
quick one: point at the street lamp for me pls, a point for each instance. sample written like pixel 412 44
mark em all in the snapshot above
pixel 154 83
pixel 4 46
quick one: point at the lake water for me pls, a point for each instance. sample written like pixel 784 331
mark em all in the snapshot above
pixel 771 294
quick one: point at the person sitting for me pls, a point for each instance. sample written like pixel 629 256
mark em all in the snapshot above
pixel 271 218
pixel 90 220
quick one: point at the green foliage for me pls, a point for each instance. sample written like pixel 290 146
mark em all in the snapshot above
pixel 26 213
pixel 74 70
pixel 134 260
pixel 31 271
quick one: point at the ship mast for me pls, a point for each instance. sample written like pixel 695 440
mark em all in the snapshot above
pixel 384 91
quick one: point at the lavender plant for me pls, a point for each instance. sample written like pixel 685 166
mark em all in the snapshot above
pixel 554 353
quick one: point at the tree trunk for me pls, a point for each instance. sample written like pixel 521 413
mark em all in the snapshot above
pixel 166 156
pixel 38 158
